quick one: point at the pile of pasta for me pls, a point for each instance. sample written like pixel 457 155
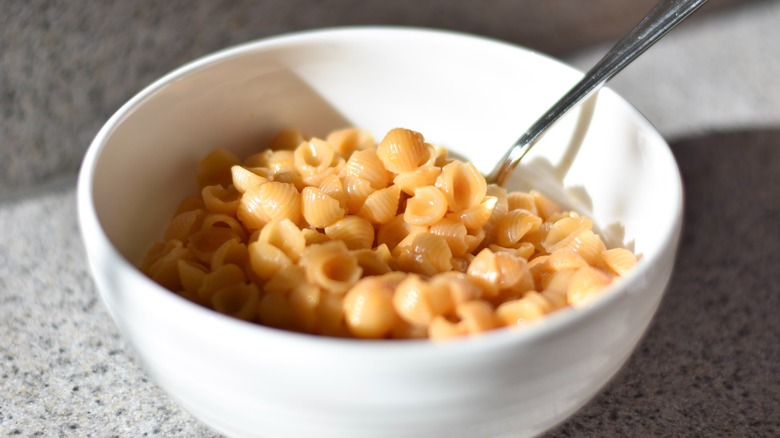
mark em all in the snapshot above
pixel 345 237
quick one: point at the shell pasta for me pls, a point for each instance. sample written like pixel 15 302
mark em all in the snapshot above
pixel 348 237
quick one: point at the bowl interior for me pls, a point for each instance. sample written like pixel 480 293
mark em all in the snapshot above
pixel 474 96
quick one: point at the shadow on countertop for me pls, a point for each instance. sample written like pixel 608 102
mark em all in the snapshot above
pixel 710 362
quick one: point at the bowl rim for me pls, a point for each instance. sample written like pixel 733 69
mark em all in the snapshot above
pixel 94 235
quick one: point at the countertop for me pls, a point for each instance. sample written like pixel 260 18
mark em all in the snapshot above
pixel 708 365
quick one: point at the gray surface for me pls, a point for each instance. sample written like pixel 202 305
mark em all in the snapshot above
pixel 709 364
pixel 64 370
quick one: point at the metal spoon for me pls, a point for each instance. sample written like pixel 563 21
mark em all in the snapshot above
pixel 664 16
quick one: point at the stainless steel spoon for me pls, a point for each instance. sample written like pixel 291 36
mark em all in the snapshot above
pixel 660 20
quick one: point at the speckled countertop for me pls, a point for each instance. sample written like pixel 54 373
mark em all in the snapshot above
pixel 708 366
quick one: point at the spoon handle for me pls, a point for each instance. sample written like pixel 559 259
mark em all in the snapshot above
pixel 661 19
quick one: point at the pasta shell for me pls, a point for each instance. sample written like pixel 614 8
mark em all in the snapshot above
pixel 222 277
pixel 501 195
pixel 219 199
pixel 285 280
pixel 165 267
pixel 183 225
pixel 556 299
pixel 380 207
pixel 271 201
pixel 218 220
pixel 330 315
pixel 231 252
pixel 366 165
pixel 205 242
pixel 461 288
pixel 441 329
pixel 191 275
pixel 585 284
pixel 356 232
pixel 426 207
pixel 589 246
pixel 313 236
pixel 483 271
pixel 521 200
pixel 395 231
pixel 410 301
pixel 474 317
pixel 313 157
pixel 540 269
pixel 558 281
pixel 523 249
pixel 290 177
pixel 514 225
pixel 368 307
pixel 454 233
pixel 418 301
pixel 356 191
pixel 245 179
pixel 460 264
pixel 330 266
pixel 545 207
pixel 462 184
pixel 304 300
pixel 285 235
pixel 563 232
pixel 320 210
pixel 514 275
pixel 619 260
pixel 266 259
pixel 250 210
pixel 474 240
pixel 402 150
pixel 424 176
pixel 477 216
pixel 424 253
pixel 315 179
pixel 332 186
pixel 373 262
pixel 531 307
pixel 238 300
pixel 281 161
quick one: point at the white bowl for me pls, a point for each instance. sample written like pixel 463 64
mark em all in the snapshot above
pixel 470 94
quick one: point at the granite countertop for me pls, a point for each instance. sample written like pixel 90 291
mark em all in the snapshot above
pixel 708 366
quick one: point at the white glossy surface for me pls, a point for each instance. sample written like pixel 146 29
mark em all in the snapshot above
pixel 470 94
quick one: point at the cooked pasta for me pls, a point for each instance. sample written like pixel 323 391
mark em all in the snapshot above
pixel 345 237
pixel 380 207
pixel 426 207
pixel 319 208
pixel 220 199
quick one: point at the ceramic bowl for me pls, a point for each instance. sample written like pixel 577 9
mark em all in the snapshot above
pixel 471 94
